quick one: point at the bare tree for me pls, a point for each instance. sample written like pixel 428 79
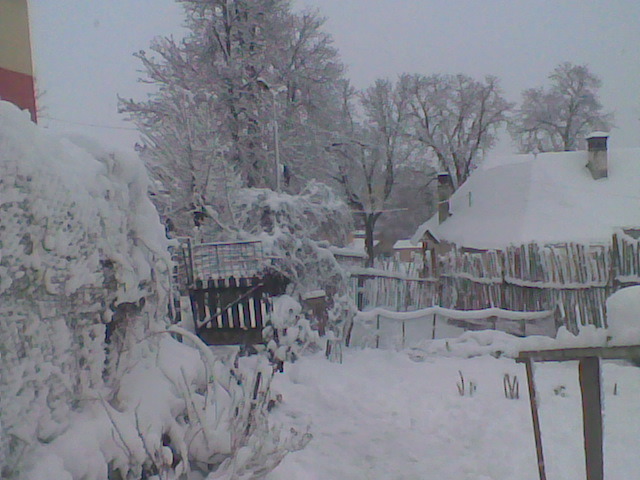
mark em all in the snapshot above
pixel 370 154
pixel 556 118
pixel 455 118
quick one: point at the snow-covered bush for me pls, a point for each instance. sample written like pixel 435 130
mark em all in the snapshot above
pixel 295 231
pixel 91 385
pixel 81 253
pixel 290 333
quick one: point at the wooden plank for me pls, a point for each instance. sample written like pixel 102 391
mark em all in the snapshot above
pixel 257 301
pixel 213 305
pixel 198 300
pixel 566 354
pixel 535 418
pixel 592 417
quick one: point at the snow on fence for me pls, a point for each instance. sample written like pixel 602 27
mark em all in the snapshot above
pixel 626 250
pixel 573 278
pixel 383 328
pixel 397 291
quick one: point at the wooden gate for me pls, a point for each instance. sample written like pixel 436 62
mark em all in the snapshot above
pixel 229 285
pixel 230 311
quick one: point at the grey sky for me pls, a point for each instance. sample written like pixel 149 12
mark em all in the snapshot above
pixel 83 48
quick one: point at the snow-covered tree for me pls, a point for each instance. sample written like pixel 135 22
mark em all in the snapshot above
pixel 556 118
pixel 294 230
pixel 242 67
pixel 455 118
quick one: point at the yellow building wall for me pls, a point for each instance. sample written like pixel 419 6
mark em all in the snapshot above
pixel 15 42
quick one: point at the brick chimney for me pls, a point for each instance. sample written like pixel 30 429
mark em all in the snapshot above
pixel 597 150
pixel 445 189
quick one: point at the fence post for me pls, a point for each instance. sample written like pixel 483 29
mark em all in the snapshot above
pixel 534 416
pixel 589 373
pixel 377 331
pixel 433 332
pixel 360 293
pixel 403 334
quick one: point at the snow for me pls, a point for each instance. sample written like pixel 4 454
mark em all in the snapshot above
pixel 597 135
pixel 622 316
pixel 313 294
pixel 348 252
pixel 545 198
pixel 405 244
pixel 398 415
pixel 357 245
pixel 164 409
pixel 81 246
pixel 449 313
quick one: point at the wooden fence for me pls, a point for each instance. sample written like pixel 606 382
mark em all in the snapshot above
pixel 573 278
pixel 381 328
pixel 394 291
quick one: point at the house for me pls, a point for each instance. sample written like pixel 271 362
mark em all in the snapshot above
pixel 539 232
pixel 404 250
pixel 354 254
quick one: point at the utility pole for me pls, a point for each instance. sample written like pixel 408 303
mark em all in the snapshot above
pixel 276 131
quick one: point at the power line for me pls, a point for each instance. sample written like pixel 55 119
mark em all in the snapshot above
pixel 94 125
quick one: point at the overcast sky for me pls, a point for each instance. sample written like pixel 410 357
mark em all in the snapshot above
pixel 83 49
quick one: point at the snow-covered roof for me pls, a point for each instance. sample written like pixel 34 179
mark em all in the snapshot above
pixel 405 245
pixel 597 135
pixel 548 198
pixel 348 252
pixel 357 244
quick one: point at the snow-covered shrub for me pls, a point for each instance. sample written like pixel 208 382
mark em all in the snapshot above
pixel 81 251
pixel 180 412
pixel 295 231
pixel 290 334
pixel 91 385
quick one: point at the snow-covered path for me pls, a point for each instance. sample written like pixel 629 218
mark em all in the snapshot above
pixel 381 415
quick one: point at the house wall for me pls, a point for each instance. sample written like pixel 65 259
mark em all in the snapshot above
pixel 16 69
pixel 407 254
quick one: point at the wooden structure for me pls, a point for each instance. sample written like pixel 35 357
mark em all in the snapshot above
pixel 590 386
pixel 229 285
pixel 384 325
pixel 572 278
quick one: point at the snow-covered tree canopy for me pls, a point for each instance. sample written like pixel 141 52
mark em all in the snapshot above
pixel 242 67
pixel 556 118
pixel 294 230
pixel 455 118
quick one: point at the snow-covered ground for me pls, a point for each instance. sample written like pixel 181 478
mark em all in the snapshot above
pixel 398 415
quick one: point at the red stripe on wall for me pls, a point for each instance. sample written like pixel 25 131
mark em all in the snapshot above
pixel 18 88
